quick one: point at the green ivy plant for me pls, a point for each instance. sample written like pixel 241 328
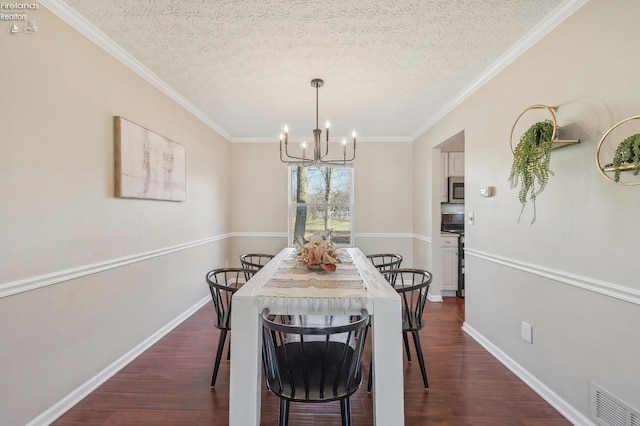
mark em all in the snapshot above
pixel 627 152
pixel 530 168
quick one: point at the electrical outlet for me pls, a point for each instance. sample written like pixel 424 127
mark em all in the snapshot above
pixel 526 332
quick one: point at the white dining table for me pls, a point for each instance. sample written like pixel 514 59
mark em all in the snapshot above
pixel 285 286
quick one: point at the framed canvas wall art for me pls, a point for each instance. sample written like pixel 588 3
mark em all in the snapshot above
pixel 148 165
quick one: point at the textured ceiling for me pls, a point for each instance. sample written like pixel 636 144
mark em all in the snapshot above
pixel 390 67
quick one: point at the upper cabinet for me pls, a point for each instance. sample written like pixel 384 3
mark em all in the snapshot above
pixel 444 193
pixel 452 165
pixel 456 163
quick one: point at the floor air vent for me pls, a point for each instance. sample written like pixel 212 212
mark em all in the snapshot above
pixel 608 410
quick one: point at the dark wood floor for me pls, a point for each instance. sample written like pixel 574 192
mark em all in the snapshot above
pixel 170 385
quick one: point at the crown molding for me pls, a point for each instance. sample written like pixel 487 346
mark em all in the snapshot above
pixel 75 20
pixel 555 18
pixel 78 22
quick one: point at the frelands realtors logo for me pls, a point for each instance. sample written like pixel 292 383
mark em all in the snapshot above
pixel 17 13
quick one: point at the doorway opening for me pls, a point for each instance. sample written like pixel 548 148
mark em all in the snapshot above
pixel 449 216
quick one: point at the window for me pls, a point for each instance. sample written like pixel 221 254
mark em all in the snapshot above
pixel 321 201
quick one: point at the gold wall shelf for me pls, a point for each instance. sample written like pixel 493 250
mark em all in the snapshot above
pixel 557 143
pixel 623 167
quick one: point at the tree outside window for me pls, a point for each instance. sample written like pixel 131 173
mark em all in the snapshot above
pixel 321 201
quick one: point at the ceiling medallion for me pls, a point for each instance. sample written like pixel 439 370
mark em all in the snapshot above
pixel 320 149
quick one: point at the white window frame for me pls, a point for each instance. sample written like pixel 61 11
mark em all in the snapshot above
pixel 291 204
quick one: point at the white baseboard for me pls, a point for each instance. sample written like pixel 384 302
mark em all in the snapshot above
pixel 434 298
pixel 66 403
pixel 563 407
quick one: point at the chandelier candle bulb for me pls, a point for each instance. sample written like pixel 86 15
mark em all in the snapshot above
pixel 326 125
pixel 304 149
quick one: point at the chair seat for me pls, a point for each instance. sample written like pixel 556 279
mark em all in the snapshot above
pixel 292 360
pixel 412 322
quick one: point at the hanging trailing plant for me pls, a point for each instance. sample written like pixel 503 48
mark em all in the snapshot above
pixel 628 152
pixel 531 159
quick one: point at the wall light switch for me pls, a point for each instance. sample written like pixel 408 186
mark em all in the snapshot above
pixel 470 218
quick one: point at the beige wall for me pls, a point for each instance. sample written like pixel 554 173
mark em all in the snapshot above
pixel 258 200
pixel 119 269
pixel 571 274
pixel 383 199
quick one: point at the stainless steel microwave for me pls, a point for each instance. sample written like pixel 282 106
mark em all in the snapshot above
pixel 456 190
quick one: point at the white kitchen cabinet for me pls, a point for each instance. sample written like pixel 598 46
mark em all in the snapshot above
pixel 449 251
pixel 456 163
pixel 452 164
pixel 444 194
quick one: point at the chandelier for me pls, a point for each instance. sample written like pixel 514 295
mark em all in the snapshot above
pixel 320 149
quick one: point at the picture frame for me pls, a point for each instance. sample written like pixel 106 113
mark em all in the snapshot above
pixel 148 165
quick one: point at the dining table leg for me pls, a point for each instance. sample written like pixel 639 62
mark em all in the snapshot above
pixel 388 382
pixel 246 374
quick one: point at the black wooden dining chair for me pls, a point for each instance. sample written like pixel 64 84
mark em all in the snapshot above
pixel 385 261
pixel 413 286
pixel 255 260
pixel 313 361
pixel 223 283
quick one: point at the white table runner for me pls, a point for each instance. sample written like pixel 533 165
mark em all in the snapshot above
pixel 293 286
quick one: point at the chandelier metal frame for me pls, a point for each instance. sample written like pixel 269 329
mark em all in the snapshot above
pixel 320 149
